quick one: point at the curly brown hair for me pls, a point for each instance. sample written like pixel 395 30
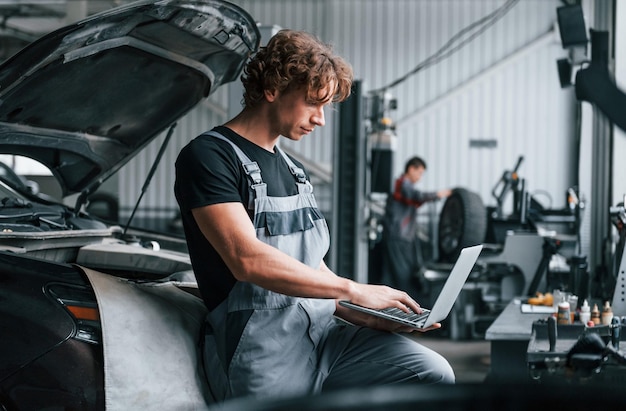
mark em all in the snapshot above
pixel 294 59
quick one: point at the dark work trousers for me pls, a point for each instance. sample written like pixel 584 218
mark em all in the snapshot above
pixel 401 263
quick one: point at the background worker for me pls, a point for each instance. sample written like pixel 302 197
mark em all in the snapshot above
pixel 402 254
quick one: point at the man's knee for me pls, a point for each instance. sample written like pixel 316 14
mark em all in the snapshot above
pixel 438 371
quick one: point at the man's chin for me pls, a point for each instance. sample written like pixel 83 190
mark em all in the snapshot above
pixel 297 137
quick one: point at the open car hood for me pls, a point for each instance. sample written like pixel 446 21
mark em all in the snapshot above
pixel 85 98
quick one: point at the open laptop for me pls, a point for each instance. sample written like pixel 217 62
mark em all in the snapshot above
pixel 445 300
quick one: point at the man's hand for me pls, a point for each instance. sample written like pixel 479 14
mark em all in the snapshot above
pixel 367 320
pixel 444 193
pixel 378 297
pixel 382 296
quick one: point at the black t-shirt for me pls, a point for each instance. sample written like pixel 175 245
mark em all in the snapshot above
pixel 209 172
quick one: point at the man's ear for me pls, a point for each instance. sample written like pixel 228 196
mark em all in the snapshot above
pixel 270 95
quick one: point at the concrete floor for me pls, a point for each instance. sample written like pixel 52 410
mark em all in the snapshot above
pixel 470 359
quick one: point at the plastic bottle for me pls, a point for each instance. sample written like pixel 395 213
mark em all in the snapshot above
pixel 563 315
pixel 595 315
pixel 607 314
pixel 585 313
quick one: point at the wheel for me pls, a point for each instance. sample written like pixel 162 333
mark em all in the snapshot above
pixel 462 223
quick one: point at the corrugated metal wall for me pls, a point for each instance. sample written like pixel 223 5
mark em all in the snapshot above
pixel 502 86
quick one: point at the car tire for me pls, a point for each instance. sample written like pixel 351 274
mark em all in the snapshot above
pixel 462 223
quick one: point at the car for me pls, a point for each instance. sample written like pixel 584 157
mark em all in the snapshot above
pixel 99 315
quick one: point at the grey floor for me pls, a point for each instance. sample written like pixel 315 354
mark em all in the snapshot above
pixel 469 358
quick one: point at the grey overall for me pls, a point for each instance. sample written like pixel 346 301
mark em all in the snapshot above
pixel 265 344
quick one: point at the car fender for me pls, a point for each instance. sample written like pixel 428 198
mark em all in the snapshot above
pixel 151 334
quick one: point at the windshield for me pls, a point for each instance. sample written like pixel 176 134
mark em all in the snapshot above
pixel 6 191
pixel 26 176
pixel 9 176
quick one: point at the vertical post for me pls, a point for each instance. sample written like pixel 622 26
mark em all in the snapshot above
pixel 348 250
pixel 601 149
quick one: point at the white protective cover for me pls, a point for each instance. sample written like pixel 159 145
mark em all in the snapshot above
pixel 151 334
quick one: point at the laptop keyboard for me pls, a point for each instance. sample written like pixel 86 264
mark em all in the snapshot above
pixel 410 316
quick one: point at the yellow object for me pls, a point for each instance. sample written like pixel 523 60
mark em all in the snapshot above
pixel 541 299
pixel 385 121
pixel 548 299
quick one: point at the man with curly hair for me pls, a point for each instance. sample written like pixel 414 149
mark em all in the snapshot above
pixel 257 241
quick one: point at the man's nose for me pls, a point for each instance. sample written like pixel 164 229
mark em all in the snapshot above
pixel 318 117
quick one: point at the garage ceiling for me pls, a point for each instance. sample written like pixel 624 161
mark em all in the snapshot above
pixel 23 21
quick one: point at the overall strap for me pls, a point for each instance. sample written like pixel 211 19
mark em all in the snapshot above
pixel 304 186
pixel 251 168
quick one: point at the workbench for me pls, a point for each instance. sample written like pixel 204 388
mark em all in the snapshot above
pixel 509 336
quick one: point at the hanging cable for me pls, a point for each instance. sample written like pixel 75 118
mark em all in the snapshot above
pixel 447 49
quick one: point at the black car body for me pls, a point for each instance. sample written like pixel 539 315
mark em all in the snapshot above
pixel 84 304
